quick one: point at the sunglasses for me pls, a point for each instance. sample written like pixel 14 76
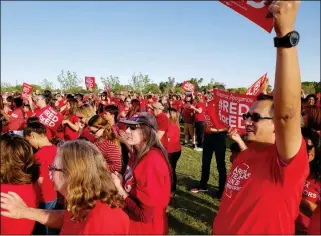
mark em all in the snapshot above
pixel 132 127
pixel 52 168
pixel 255 117
pixel 95 132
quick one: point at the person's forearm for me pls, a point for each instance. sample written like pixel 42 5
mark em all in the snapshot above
pixel 242 145
pixel 73 126
pixel 50 218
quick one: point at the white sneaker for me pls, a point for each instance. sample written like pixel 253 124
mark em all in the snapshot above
pixel 198 149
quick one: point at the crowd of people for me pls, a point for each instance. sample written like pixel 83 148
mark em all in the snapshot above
pixel 110 166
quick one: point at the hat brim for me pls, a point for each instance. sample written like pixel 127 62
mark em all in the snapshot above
pixel 129 122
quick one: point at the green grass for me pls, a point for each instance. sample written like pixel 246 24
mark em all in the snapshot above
pixel 193 213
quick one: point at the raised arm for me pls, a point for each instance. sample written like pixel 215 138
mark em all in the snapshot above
pixel 287 87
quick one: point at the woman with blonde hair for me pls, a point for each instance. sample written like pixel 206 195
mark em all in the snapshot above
pixel 107 142
pixel 147 182
pixel 92 204
pixel 84 113
pixel 70 122
pixel 19 173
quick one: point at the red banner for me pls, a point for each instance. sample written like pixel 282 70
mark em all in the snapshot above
pixel 90 82
pixel 107 89
pixel 254 10
pixel 257 87
pixel 51 118
pixel 187 86
pixel 230 108
pixel 26 90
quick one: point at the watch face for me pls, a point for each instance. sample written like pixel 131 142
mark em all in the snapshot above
pixel 294 38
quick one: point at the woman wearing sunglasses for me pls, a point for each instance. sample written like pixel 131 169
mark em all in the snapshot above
pixel 19 173
pixel 92 203
pixel 147 182
pixel 84 113
pixel 312 188
pixel 107 142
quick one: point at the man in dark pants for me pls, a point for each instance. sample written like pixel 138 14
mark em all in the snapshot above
pixel 214 141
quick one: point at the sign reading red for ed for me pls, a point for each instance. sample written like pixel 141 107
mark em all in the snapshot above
pixel 230 108
pixel 50 118
pixel 90 82
pixel 254 10
pixel 26 90
pixel 187 86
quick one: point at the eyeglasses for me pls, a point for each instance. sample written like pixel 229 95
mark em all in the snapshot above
pixel 132 127
pixel 255 117
pixel 310 147
pixel 52 168
pixel 95 132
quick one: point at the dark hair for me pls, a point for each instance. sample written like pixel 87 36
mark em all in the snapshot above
pixel 220 87
pixel 265 97
pixel 112 109
pixel 79 96
pixel 69 96
pixel 18 101
pixel 32 119
pixel 149 96
pixel 234 147
pixel 10 99
pixel 134 109
pixel 35 127
pixel 312 96
pixel 315 164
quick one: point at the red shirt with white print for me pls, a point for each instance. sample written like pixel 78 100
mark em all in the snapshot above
pixel 311 192
pixel 17 119
pixel 148 185
pixel 211 119
pixel 262 195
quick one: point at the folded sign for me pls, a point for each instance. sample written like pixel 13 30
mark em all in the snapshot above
pixel 51 118
pixel 254 10
pixel 230 108
pixel 187 86
pixel 90 82
pixel 257 87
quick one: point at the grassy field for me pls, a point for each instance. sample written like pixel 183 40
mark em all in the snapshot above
pixel 191 213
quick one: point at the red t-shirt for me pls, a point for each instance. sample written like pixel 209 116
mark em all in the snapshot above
pixel 211 119
pixel 102 220
pixel 111 153
pixel 30 196
pixel 262 195
pixel 17 119
pixel 199 117
pixel 311 192
pixel 188 115
pixel 148 105
pixel 45 157
pixel 143 103
pixel 86 134
pixel 61 103
pixel 314 227
pixel 174 144
pixel 163 123
pixel 149 186
pixel 69 133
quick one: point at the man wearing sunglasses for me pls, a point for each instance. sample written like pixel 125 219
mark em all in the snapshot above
pixel 264 187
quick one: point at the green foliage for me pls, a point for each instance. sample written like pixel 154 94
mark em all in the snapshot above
pixel 47 84
pixel 112 82
pixel 139 82
pixel 69 82
pixel 152 88
pixel 311 87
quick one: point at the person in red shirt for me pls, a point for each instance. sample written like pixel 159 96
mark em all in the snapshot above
pixel 189 119
pixel 107 142
pixel 174 145
pixel 35 134
pixel 312 188
pixel 214 141
pixel 314 227
pixel 19 173
pixel 147 182
pixel 84 113
pixel 150 103
pixel 162 123
pixel 199 110
pixel 123 111
pixel 264 187
pixel 16 120
pixel 93 205
pixel 27 111
pixel 71 120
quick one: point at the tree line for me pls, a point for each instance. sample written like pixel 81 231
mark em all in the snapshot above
pixel 70 82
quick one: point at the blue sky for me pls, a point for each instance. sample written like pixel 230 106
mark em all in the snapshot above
pixel 178 39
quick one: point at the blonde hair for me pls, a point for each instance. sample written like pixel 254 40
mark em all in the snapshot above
pixel 173 116
pixel 86 111
pixel 87 177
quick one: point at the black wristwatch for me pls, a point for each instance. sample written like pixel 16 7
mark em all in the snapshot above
pixel 288 41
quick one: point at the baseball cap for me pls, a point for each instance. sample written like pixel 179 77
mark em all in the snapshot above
pixel 142 118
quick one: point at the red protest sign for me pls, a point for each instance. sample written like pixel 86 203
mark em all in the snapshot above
pixel 254 10
pixel 230 108
pixel 107 89
pixel 51 118
pixel 187 86
pixel 90 82
pixel 257 87
pixel 26 90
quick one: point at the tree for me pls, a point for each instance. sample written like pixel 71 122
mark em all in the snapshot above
pixel 212 84
pixel 168 86
pixel 139 82
pixel 153 88
pixel 112 82
pixel 46 84
pixel 5 86
pixel 69 82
